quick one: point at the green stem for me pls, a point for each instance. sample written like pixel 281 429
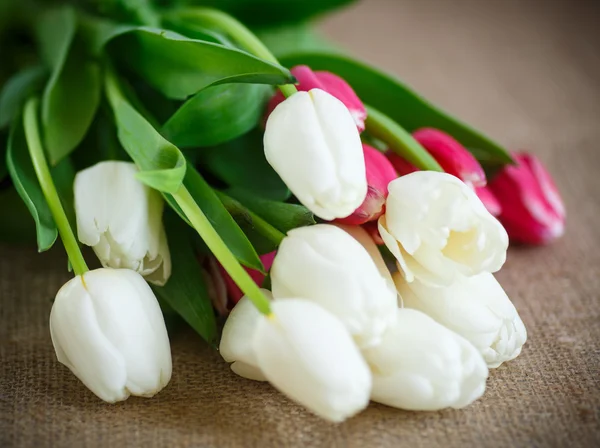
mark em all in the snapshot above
pixel 220 250
pixel 238 32
pixel 42 171
pixel 399 140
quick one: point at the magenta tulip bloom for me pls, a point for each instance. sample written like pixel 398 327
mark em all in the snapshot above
pixel 532 209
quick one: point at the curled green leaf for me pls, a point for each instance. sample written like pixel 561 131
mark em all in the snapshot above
pixel 27 185
pixel 161 163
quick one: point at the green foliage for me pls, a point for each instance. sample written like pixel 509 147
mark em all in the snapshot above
pixel 179 66
pixel 216 115
pixel 241 163
pixel 186 291
pixel 16 91
pixel 72 93
pixel 26 183
pixel 220 219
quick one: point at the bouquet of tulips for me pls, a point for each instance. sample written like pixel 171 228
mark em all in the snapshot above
pixel 227 164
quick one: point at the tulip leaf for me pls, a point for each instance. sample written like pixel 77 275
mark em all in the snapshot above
pixel 284 217
pixel 20 168
pixel 161 163
pixel 72 93
pixel 179 66
pixel 16 91
pixel 186 291
pixel 264 237
pixel 219 217
pixel 241 163
pixel 399 102
pixel 216 115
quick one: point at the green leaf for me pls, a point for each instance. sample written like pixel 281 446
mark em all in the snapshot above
pixel 216 115
pixel 264 237
pixel 284 217
pixel 220 219
pixel 186 291
pixel 72 94
pixel 26 183
pixel 241 163
pixel 161 163
pixel 398 101
pixel 179 66
pixel 17 89
pixel 272 12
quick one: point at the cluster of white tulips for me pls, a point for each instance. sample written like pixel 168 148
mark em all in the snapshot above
pixel 343 330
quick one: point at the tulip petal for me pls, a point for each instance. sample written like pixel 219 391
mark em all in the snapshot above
pixel 306 353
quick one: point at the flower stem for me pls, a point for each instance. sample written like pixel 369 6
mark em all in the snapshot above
pixel 220 250
pixel 242 35
pixel 399 140
pixel 40 165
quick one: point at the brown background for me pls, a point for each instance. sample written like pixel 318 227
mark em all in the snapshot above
pixel 527 73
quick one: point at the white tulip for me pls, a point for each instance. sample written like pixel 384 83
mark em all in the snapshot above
pixel 236 339
pixel 363 237
pixel 108 329
pixel 326 265
pixel 438 229
pixel 121 219
pixel 423 366
pixel 312 142
pixel 307 354
pixel 476 308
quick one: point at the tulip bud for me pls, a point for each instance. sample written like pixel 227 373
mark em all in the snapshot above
pixel 477 308
pixel 532 209
pixel 235 293
pixel 236 341
pixel 422 366
pixel 311 142
pixel 380 173
pixel 324 264
pixel 307 354
pixel 453 157
pixel 400 164
pixel 489 200
pixel 330 83
pixel 121 219
pixel 438 229
pixel 107 328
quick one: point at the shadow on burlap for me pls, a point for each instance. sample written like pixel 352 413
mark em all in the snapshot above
pixel 528 74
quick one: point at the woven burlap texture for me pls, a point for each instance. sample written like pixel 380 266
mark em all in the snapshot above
pixel 528 74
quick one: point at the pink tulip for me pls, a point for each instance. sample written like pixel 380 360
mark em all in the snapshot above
pixel 380 173
pixel 453 157
pixel 233 290
pixel 330 83
pixel 532 209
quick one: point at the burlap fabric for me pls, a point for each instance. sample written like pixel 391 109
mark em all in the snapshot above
pixel 528 73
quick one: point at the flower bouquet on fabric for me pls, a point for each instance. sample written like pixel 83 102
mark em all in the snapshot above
pixel 224 166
